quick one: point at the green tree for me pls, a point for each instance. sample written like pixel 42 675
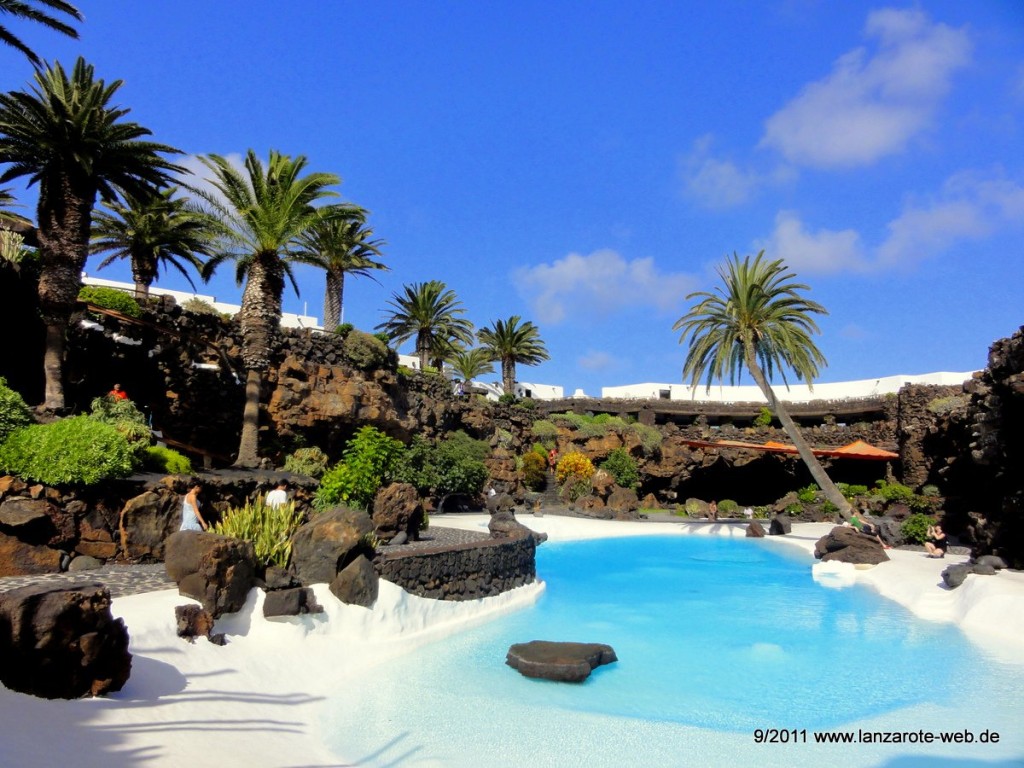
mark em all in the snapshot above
pixel 263 212
pixel 430 313
pixel 471 363
pixel 154 230
pixel 511 343
pixel 340 244
pixel 24 9
pixel 758 319
pixel 64 134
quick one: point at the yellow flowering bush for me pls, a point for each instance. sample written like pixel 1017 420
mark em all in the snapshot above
pixel 573 464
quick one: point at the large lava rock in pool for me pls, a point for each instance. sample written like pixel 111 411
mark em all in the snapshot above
pixel 848 545
pixel 564 662
pixel 62 642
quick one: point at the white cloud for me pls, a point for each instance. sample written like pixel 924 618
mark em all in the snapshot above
pixel 874 101
pixel 715 183
pixel 602 281
pixel 595 360
pixel 822 252
pixel 969 206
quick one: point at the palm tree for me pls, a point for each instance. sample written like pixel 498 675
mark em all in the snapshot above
pixel 431 314
pixel 64 135
pixel 759 320
pixel 340 244
pixel 263 213
pixel 469 364
pixel 156 229
pixel 513 343
pixel 23 9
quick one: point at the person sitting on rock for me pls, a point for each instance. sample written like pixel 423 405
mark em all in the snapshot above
pixel 936 543
pixel 859 521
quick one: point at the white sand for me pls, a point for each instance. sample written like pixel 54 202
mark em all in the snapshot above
pixel 258 701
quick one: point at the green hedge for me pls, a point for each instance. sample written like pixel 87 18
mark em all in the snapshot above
pixel 110 298
pixel 14 414
pixel 78 450
pixel 158 458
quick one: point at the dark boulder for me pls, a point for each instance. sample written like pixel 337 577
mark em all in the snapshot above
pixel 195 621
pixel 755 530
pixel 329 542
pixel 503 525
pixel 983 569
pixel 357 583
pixel 216 570
pixel 62 642
pixel 955 575
pixel 499 502
pixel 147 521
pixel 397 509
pixel 845 544
pixel 563 662
pixel 992 560
pixel 623 500
pixel 780 526
pixel 20 559
pixel 290 602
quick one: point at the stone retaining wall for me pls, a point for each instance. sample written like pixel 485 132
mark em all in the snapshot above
pixel 463 571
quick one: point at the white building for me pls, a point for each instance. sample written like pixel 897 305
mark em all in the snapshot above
pixel 798 393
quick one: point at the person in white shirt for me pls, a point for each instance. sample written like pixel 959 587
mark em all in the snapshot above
pixel 279 495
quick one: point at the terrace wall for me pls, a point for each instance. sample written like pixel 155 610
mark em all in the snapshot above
pixel 463 571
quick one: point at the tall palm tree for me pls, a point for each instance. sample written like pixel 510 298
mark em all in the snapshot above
pixel 263 213
pixel 758 319
pixel 157 229
pixel 469 364
pixel 64 134
pixel 512 343
pixel 340 244
pixel 23 9
pixel 430 313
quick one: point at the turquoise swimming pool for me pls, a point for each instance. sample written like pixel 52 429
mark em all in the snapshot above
pixel 717 638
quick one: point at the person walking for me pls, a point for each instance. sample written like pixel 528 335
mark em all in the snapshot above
pixel 191 518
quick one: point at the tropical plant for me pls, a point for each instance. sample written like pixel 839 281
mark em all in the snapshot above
pixel 512 343
pixel 622 466
pixel 14 413
pixel 311 462
pixel 894 492
pixel 915 528
pixel 268 528
pixel 471 363
pixel 535 471
pixel 76 450
pixel 64 134
pixel 25 9
pixel 150 231
pixel 198 306
pixel 263 212
pixel 764 417
pixel 364 351
pixel 125 417
pixel 369 459
pixel 759 320
pixel 431 314
pixel 454 464
pixel 160 458
pixel 110 298
pixel 571 464
pixel 340 244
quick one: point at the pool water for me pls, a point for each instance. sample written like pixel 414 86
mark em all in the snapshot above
pixel 715 637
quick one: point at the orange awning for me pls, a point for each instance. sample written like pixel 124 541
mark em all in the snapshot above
pixel 855 450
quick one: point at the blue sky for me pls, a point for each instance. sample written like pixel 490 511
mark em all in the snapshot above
pixel 586 166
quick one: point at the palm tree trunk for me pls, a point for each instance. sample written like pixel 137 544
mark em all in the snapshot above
pixel 248 445
pixel 423 350
pixel 508 375
pixel 53 363
pixel 332 300
pixel 793 432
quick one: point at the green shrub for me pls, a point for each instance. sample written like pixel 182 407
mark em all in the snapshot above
pixel 455 464
pixel 930 491
pixel 894 492
pixel 110 298
pixel 796 508
pixel 649 437
pixel 364 351
pixel 535 471
pixel 527 404
pixel 367 462
pixel 852 491
pixel 14 413
pixel 575 488
pixel 808 495
pixel 943 405
pixel 77 450
pixel 126 418
pixel 159 458
pixel 762 512
pixel 383 338
pixel 915 528
pixel 343 329
pixel 507 399
pixel 828 507
pixel 541 450
pixel 546 432
pixel 311 462
pixel 622 467
pixel 728 507
pixel 693 508
pixel 198 306
pixel 269 529
pixel 764 417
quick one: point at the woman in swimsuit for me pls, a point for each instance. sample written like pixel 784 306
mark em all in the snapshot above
pixel 936 543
